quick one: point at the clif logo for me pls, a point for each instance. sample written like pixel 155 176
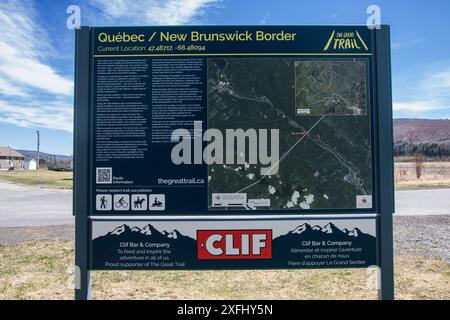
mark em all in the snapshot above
pixel 234 244
pixel 345 41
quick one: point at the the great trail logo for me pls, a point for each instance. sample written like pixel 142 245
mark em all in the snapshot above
pixel 345 41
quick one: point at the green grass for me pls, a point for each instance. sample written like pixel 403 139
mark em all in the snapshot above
pixel 64 180
pixel 434 175
pixel 414 185
pixel 42 269
pixel 41 178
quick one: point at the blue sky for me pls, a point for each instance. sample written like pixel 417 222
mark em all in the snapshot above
pixel 36 52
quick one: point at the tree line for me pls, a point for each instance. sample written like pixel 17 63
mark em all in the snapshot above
pixel 431 150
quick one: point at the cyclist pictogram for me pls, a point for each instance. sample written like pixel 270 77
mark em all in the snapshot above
pixel 121 202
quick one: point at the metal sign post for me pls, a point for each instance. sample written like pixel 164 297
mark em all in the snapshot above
pixel 386 164
pixel 81 163
pixel 308 182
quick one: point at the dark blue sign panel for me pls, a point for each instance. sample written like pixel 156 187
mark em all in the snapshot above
pixel 232 120
pixel 233 147
pixel 233 244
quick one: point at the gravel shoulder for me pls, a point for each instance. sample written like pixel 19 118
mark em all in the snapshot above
pixel 37 263
pixel 427 236
pixel 17 235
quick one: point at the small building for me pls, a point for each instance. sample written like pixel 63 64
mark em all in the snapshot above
pixel 30 164
pixel 11 159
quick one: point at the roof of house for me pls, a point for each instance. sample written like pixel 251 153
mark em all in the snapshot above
pixel 9 152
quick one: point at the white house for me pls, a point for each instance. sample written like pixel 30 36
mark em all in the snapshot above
pixel 30 164
pixel 10 159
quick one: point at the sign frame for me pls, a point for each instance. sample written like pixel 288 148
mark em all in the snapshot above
pixel 383 160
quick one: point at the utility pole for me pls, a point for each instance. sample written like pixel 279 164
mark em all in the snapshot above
pixel 38 143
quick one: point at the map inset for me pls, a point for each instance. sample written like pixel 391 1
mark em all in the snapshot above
pixel 330 87
pixel 324 160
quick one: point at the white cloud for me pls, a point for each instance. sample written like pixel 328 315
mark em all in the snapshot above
pixel 418 106
pixel 51 114
pixel 410 39
pixel 23 45
pixel 439 82
pixel 8 88
pixel 265 20
pixel 159 12
pixel 431 93
pixel 32 93
pixel 396 45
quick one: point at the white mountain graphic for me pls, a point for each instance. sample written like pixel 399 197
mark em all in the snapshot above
pixel 354 233
pixel 300 229
pixel 328 229
pixel 119 230
pixel 172 235
pixel 146 230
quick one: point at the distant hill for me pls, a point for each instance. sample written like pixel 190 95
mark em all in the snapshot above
pixel 43 155
pixel 410 135
pixel 424 136
pixel 416 131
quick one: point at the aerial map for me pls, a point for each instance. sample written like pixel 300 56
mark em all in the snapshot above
pixel 331 87
pixel 320 108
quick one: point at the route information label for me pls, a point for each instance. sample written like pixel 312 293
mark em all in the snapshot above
pixel 232 120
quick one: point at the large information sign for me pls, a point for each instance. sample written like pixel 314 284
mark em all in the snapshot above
pixel 232 147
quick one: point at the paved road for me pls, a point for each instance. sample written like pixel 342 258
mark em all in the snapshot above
pixel 22 206
pixel 422 202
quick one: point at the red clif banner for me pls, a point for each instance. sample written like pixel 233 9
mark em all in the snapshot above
pixel 234 244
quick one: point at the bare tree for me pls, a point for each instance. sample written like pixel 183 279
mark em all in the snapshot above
pixel 419 159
